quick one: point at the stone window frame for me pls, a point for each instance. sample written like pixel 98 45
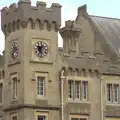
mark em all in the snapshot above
pixel 81 80
pixel 45 76
pixel 44 113
pixel 40 86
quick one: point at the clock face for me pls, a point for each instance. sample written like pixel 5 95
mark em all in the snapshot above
pixel 41 49
pixel 14 50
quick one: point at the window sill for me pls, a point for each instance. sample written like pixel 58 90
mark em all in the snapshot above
pixel 14 100
pixel 41 98
pixel 113 104
pixel 78 101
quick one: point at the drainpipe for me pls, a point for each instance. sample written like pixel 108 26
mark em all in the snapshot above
pixel 62 77
pixel 102 107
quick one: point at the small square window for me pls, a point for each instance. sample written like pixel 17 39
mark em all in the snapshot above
pixel 14 118
pixel 41 117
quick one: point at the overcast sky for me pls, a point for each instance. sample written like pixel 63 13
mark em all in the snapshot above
pixel 109 8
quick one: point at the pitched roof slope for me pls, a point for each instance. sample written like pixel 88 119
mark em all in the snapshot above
pixel 110 29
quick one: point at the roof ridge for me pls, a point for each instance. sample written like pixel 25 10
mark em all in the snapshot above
pixel 105 17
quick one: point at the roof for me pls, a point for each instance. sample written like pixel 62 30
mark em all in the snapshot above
pixel 110 29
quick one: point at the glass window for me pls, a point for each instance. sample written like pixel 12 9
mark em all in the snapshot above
pixel 77 90
pixel 84 90
pixel 14 87
pixel 40 85
pixel 70 89
pixel 14 118
pixel 116 93
pixel 41 118
pixel 109 92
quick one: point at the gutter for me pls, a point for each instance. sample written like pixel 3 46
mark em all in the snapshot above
pixel 62 77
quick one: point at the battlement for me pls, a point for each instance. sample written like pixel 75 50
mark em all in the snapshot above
pixel 70 27
pixel 23 11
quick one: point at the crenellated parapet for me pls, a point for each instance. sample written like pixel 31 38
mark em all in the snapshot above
pixel 70 34
pixel 70 27
pixel 20 15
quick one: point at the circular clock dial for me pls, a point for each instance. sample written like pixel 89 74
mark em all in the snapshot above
pixel 41 49
pixel 14 50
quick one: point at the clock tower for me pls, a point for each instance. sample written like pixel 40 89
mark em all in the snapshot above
pixel 31 34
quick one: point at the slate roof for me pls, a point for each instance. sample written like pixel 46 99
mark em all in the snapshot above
pixel 110 29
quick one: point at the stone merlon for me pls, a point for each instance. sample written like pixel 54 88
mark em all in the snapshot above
pixel 24 11
pixel 70 27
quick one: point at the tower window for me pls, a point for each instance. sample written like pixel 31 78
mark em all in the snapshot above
pixel 40 86
pixel 1 92
pixel 14 87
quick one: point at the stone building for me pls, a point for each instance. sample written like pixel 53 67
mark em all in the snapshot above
pixel 40 81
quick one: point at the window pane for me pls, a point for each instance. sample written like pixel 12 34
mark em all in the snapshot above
pixel 116 93
pixel 70 89
pixel 109 92
pixel 84 90
pixel 40 85
pixel 77 90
